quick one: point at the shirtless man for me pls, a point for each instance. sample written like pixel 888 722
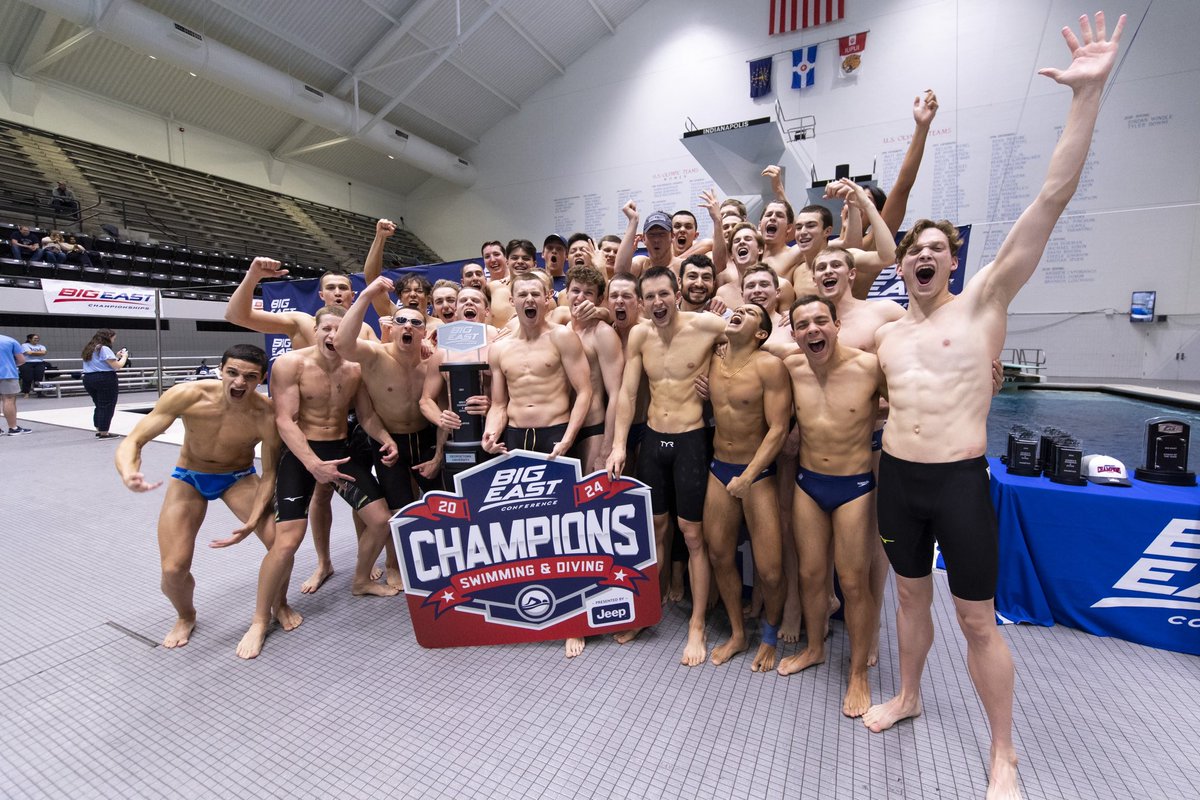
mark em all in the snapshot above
pixel 762 286
pixel 533 371
pixel 836 392
pixel 472 275
pixel 609 244
pixel 858 320
pixel 520 257
pixel 751 403
pixel 444 300
pixel 394 375
pixel 298 326
pixel 673 349
pixel 222 423
pixel 606 362
pixel 554 256
pixel 473 306
pixel 698 285
pixel 494 262
pixel 812 228
pixel 936 360
pixel 313 389
pixel 746 251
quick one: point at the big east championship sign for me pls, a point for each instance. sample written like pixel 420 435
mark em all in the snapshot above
pixel 528 550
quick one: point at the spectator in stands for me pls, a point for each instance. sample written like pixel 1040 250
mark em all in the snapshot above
pixel 34 368
pixel 63 201
pixel 10 360
pixel 100 367
pixel 25 246
pixel 77 253
pixel 53 251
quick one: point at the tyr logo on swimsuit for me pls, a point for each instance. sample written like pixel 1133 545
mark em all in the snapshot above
pixel 526 549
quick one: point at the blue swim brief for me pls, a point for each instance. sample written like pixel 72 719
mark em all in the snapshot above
pixel 725 472
pixel 831 491
pixel 877 440
pixel 210 485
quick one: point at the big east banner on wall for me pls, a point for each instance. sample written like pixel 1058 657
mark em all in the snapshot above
pixel 526 549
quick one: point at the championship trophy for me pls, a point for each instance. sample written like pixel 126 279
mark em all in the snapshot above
pixel 463 380
pixel 1166 453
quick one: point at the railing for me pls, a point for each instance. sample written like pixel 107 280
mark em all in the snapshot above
pixel 70 381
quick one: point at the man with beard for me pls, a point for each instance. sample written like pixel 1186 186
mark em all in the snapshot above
pixel 698 285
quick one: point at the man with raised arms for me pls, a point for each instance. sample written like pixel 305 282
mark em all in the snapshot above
pixel 394 375
pixel 751 403
pixel 812 227
pixel 656 235
pixel 533 373
pixel 673 349
pixel 836 393
pixel 746 249
pixel 298 326
pixel 313 389
pixel 222 422
pixel 933 482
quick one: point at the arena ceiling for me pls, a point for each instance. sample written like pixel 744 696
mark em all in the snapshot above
pixel 443 71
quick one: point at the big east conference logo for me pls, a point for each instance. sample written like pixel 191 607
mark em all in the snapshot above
pixel 526 549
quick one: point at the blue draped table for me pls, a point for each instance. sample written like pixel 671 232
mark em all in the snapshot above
pixel 1109 560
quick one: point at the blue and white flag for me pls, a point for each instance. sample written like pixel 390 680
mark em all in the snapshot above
pixel 804 67
pixel 760 77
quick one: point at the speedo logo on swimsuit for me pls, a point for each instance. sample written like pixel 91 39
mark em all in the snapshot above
pixel 1156 579
pixel 861 484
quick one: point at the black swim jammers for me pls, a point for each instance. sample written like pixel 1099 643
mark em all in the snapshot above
pixel 396 481
pixel 676 463
pixel 294 484
pixel 948 502
pixel 539 440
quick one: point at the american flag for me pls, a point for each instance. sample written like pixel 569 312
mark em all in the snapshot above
pixel 793 15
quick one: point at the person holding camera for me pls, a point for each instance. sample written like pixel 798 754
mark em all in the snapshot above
pixel 100 367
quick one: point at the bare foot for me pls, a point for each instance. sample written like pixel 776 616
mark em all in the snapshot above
pixel 803 660
pixel 574 646
pixel 289 618
pixel 394 578
pixel 726 651
pixel 251 644
pixel 858 696
pixel 319 576
pixel 179 635
pixel 373 589
pixel 1002 780
pixel 764 659
pixel 625 637
pixel 675 590
pixel 885 715
pixel 376 572
pixel 789 628
pixel 696 649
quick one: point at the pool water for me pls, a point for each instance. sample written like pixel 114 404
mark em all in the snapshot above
pixel 1103 423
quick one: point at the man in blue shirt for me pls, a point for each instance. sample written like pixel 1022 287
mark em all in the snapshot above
pixel 10 359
